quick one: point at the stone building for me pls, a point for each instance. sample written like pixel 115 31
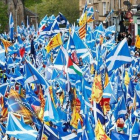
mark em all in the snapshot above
pixel 122 17
pixel 20 12
pixel 16 7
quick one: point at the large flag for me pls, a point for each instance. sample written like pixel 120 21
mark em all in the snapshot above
pixel 118 56
pixel 100 133
pixel 6 44
pixel 17 104
pixel 11 27
pixel 97 89
pixel 19 129
pixel 50 112
pixel 54 42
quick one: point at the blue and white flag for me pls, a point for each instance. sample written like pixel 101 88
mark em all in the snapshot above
pixel 120 110
pixel 18 129
pixel 135 131
pixel 11 27
pixel 32 75
pixel 118 56
pixel 3 89
pixel 62 20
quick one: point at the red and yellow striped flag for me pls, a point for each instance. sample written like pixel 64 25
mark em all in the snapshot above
pixel 6 44
pixel 82 31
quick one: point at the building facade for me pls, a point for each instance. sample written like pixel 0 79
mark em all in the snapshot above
pixel 122 16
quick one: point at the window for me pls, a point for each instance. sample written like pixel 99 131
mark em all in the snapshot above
pixel 89 1
pixel 104 8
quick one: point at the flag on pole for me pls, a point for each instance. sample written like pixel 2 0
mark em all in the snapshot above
pixel 97 89
pixel 83 18
pixel 6 44
pixel 118 56
pixel 11 27
pixel 54 42
pixel 100 133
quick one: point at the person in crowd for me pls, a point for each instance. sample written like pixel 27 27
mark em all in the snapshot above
pixel 80 62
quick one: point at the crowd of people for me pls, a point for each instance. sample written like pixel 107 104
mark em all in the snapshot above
pixel 58 84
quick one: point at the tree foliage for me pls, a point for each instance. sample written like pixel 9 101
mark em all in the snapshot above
pixel 69 8
pixel 3 17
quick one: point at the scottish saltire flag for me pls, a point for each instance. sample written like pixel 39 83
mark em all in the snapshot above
pixel 79 45
pixel 110 30
pixel 90 11
pixel 98 32
pixel 118 56
pixel 19 129
pixel 50 29
pixel 32 75
pixel 98 113
pixel 50 112
pixel 11 27
pixel 110 13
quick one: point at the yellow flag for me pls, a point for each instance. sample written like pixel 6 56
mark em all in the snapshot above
pixel 126 78
pixel 6 44
pixel 106 80
pixel 137 43
pixel 83 19
pixel 92 69
pixel 100 133
pixel 54 42
pixel 75 117
pixel 97 89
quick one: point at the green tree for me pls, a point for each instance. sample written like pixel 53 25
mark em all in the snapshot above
pixel 69 8
pixel 3 17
